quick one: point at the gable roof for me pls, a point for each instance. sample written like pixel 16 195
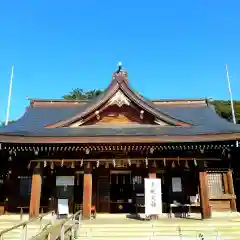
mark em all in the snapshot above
pixel 120 83
pixel 197 117
pixel 36 118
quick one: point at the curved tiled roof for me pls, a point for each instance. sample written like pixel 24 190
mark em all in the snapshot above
pixel 203 118
pixel 200 115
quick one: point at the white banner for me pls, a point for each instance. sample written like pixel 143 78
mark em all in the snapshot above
pixel 153 196
pixel 65 181
pixel 63 207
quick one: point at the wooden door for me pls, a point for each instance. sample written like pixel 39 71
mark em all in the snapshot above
pixel 103 191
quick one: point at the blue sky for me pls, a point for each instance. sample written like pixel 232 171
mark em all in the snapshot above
pixel 171 49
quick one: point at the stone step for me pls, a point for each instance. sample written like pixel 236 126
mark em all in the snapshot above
pixel 163 228
pixel 17 234
pixel 159 238
pixel 160 224
pixel 158 231
pixel 32 230
pixel 165 233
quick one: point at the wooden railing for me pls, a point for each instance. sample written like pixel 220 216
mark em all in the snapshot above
pixel 24 225
pixel 60 230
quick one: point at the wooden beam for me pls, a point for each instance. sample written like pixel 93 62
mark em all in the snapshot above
pixel 152 172
pixel 35 193
pixel 231 191
pixel 87 193
pixel 204 198
pixel 125 158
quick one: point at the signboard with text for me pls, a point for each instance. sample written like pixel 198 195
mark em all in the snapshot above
pixel 64 180
pixel 153 196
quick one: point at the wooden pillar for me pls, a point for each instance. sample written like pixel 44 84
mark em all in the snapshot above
pixel 35 192
pixel 225 183
pixel 203 192
pixel 231 191
pixel 87 192
pixel 152 172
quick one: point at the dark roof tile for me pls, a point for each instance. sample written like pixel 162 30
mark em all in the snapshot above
pixel 142 130
pixel 204 119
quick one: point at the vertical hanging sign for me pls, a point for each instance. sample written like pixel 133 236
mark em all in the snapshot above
pixel 153 196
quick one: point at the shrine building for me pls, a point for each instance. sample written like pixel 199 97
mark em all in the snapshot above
pixel 98 153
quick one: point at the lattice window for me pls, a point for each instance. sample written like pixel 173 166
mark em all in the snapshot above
pixel 215 184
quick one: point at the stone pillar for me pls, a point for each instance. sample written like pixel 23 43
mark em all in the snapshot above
pixel 35 192
pixel 203 192
pixel 231 191
pixel 87 192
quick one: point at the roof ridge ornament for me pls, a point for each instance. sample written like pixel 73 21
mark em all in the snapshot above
pixel 120 68
pixel 120 72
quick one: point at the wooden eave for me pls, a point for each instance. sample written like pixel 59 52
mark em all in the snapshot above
pixel 121 139
pixel 119 82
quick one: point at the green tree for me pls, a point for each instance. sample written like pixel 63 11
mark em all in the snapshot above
pixel 79 94
pixel 93 94
pixel 2 124
pixel 75 94
pixel 223 108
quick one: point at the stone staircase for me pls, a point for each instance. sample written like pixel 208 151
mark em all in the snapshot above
pixel 160 231
pixel 130 229
pixel 10 221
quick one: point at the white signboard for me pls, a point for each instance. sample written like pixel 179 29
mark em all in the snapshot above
pixel 176 184
pixel 153 196
pixel 65 181
pixel 63 207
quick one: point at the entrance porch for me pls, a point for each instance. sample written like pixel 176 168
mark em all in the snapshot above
pixel 111 178
pixel 115 188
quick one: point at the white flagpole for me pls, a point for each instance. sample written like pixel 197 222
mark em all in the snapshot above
pixel 9 97
pixel 231 99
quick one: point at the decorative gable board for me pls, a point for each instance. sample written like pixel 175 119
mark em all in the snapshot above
pixel 119 99
pixel 115 115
